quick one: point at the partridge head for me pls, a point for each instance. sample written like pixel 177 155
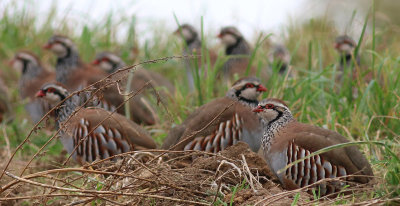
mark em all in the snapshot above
pixel 188 33
pixel 108 61
pixel 26 63
pixel 247 90
pixel 345 44
pixel 230 36
pixel 70 70
pixel 32 70
pixel 61 46
pixel 53 93
pixel 281 58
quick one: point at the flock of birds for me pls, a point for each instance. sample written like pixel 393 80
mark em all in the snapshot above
pixel 267 126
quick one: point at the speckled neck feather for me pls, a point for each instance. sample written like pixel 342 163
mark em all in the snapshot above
pixel 66 108
pixel 273 127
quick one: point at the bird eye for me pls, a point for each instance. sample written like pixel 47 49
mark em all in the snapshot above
pixel 249 85
pixel 105 59
pixel 269 106
pixel 52 90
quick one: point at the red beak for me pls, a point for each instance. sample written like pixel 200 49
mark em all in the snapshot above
pixel 96 62
pixel 40 93
pixel 47 46
pixel 220 35
pixel 261 88
pixel 258 109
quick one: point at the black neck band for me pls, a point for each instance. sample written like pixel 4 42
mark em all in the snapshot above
pixel 280 114
pixel 230 49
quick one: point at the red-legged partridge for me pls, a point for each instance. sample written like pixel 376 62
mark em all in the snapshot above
pixel 193 47
pixel 236 123
pixel 140 108
pixel 98 133
pixel 110 63
pixel 240 51
pixel 345 45
pixel 235 45
pixel 285 140
pixel 70 70
pixel 33 77
pixel 280 58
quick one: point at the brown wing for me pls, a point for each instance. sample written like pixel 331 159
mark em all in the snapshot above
pixel 199 119
pixel 129 130
pixel 314 138
pixel 140 111
pixel 173 136
pixel 221 131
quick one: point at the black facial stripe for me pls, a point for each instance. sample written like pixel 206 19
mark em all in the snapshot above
pixel 25 65
pixel 229 32
pixel 345 58
pixel 248 100
pixel 114 65
pixel 67 47
pixel 279 116
pixel 62 96
pixel 191 40
pixel 68 52
pixel 239 91
pixel 230 49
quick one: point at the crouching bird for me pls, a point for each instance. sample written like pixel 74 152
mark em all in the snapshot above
pixel 222 122
pixel 93 133
pixel 285 140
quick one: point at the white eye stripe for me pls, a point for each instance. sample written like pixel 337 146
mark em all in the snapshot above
pixel 28 57
pixel 62 40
